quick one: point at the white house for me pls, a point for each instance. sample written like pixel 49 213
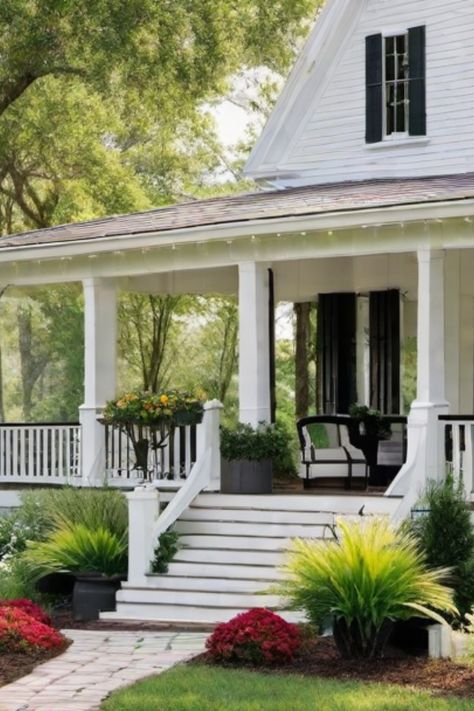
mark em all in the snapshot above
pixel 369 208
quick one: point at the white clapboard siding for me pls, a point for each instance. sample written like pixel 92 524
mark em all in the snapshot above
pixel 329 143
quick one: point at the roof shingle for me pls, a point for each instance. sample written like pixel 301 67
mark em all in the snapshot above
pixel 312 200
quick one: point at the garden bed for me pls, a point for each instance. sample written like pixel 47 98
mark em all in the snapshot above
pixel 15 665
pixel 321 659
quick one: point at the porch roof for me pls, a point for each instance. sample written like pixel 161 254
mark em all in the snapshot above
pixel 294 202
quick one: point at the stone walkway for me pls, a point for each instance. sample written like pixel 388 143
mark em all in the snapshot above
pixel 96 664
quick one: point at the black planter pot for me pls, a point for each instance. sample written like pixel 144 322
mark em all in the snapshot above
pixel 247 477
pixel 93 594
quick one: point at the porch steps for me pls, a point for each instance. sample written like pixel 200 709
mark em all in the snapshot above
pixel 231 549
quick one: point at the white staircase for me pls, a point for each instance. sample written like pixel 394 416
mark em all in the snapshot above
pixel 231 549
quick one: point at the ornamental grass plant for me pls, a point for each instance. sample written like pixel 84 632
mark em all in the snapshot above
pixel 371 576
pixel 77 549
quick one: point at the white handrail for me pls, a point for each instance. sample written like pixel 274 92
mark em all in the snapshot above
pixel 204 474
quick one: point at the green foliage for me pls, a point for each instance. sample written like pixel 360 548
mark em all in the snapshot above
pixel 373 574
pixel 75 548
pixel 245 442
pixel 165 551
pixel 16 581
pixel 92 508
pixel 41 514
pixel 194 687
pixel 446 536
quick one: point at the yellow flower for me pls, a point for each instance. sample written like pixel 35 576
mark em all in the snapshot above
pixel 164 399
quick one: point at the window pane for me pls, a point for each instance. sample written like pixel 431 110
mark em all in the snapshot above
pixel 400 113
pixel 389 45
pixel 389 109
pixel 390 68
pixel 401 44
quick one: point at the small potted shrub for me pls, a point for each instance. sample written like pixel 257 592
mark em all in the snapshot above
pixel 250 453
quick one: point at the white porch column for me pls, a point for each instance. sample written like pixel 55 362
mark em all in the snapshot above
pixel 100 347
pixel 424 445
pixel 254 343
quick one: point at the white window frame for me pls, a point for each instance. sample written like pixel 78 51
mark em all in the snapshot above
pixel 399 135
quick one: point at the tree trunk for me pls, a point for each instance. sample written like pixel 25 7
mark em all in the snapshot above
pixel 32 360
pixel 302 314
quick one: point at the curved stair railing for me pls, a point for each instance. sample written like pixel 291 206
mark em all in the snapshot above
pixel 146 524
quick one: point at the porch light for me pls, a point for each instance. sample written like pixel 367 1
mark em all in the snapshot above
pixel 467 219
pixel 303 234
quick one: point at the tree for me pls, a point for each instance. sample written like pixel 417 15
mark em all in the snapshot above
pixel 103 110
pixel 166 52
pixel 147 322
pixel 303 334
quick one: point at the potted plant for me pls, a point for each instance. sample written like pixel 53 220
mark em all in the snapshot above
pixel 97 557
pixel 250 453
pixel 149 418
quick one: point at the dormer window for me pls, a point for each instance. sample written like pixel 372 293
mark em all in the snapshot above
pixel 395 85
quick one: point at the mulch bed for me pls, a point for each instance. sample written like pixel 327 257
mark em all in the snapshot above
pixel 14 666
pixel 321 659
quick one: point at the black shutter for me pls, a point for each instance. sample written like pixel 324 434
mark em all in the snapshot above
pixel 374 93
pixel 417 74
pixel 271 342
pixel 336 349
pixel 385 351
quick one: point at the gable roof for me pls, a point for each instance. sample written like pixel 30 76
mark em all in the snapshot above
pixel 295 202
pixel 306 82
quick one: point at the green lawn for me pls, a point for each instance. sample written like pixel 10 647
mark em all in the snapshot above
pixel 200 688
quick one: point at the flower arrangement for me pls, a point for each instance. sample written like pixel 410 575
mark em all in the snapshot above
pixel 148 418
pixel 256 637
pixel 151 409
pixel 19 632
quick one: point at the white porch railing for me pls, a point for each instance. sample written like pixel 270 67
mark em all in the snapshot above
pixel 146 524
pixel 40 453
pixel 457 433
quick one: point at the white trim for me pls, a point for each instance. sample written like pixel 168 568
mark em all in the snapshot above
pixel 347 219
pixel 308 80
pixel 398 140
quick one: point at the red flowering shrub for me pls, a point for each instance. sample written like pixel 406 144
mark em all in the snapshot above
pixel 258 636
pixel 20 632
pixel 31 609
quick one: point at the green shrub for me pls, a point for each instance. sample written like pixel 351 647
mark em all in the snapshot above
pixel 372 575
pixel 77 549
pixel 16 580
pixel 166 551
pixel 255 444
pixel 446 536
pixel 94 508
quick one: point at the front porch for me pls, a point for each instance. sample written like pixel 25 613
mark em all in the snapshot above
pixel 369 308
